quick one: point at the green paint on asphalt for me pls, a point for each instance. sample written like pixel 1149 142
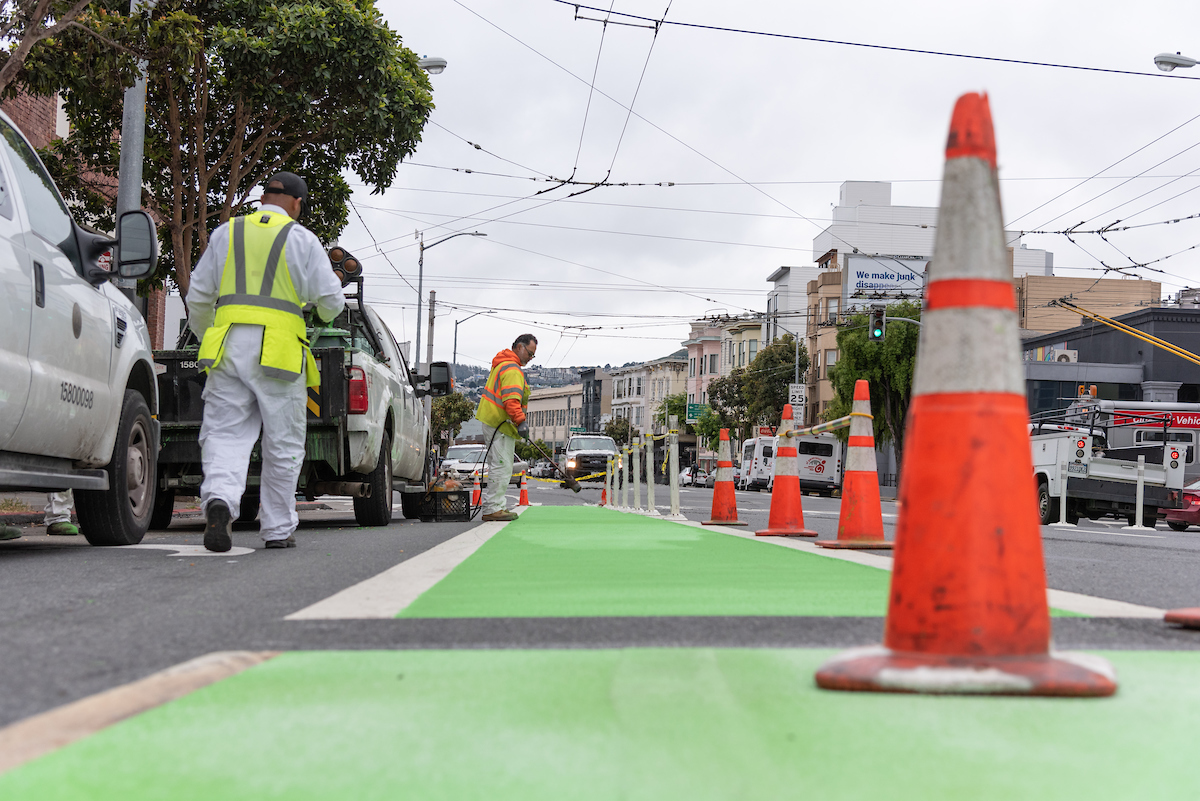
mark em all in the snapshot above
pixel 588 562
pixel 652 724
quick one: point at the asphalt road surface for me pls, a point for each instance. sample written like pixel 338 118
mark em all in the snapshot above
pixel 79 620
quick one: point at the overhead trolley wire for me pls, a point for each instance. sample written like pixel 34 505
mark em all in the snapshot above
pixel 893 48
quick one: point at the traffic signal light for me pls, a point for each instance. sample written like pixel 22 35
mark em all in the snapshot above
pixel 876 324
pixel 345 267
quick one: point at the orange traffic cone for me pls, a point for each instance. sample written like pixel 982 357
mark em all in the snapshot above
pixel 967 609
pixel 604 495
pixel 477 493
pixel 787 513
pixel 1188 618
pixel 860 524
pixel 523 498
pixel 724 506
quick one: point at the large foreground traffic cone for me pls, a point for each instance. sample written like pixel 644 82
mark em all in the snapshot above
pixel 860 525
pixel 477 492
pixel 787 513
pixel 523 498
pixel 967 610
pixel 724 505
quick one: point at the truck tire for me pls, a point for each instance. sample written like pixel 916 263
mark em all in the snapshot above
pixel 120 515
pixel 377 510
pixel 1047 506
pixel 1177 525
pixel 164 510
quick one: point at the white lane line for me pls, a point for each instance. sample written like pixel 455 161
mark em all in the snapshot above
pixel 189 550
pixel 388 593
pixel 1059 599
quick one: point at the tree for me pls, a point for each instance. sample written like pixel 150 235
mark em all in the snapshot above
pixel 449 413
pixel 887 366
pixel 675 405
pixel 765 382
pixel 27 22
pixel 530 453
pixel 708 428
pixel 619 429
pixel 727 398
pixel 237 90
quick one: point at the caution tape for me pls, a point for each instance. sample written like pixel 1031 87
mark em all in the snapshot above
pixel 559 480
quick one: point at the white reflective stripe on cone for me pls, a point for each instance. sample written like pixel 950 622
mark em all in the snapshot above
pixel 972 244
pixel 969 349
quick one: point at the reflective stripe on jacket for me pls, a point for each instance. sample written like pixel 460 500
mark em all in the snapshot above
pixel 506 382
pixel 257 259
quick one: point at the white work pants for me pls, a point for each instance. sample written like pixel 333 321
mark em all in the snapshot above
pixel 58 507
pixel 499 469
pixel 239 402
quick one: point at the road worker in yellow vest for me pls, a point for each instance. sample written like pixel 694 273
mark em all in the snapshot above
pixel 502 412
pixel 246 303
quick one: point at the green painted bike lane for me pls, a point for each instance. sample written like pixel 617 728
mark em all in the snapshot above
pixel 626 723
pixel 585 562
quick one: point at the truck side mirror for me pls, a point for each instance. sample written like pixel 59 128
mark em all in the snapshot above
pixel 137 246
pixel 441 383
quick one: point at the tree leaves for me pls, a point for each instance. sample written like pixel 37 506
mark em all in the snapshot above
pixel 888 367
pixel 237 90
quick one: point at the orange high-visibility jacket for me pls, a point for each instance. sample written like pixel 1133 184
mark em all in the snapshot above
pixel 505 395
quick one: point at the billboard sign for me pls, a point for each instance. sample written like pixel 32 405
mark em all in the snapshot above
pixel 873 277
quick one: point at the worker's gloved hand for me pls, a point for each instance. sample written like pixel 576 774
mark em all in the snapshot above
pixel 523 430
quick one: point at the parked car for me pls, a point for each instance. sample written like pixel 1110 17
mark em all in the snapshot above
pixel 711 480
pixel 542 469
pixel 1189 515
pixel 471 462
pixel 692 476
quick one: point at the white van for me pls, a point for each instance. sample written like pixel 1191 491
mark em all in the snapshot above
pixel 818 464
pixel 758 463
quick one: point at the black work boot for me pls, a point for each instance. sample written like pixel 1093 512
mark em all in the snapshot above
pixel 217 536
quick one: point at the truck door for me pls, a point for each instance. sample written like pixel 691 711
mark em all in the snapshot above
pixel 71 333
pixel 408 448
pixel 16 302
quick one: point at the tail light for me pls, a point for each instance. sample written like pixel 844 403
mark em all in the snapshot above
pixel 359 400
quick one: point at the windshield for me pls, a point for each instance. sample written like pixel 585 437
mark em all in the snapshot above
pixel 593 444
pixel 467 456
pixel 459 451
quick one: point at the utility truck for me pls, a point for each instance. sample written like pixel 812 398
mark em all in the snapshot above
pixel 366 435
pixel 1101 478
pixel 77 393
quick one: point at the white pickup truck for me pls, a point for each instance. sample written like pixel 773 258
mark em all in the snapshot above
pixel 366 430
pixel 1102 480
pixel 77 392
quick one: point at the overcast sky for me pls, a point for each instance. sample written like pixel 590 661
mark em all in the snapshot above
pixel 757 133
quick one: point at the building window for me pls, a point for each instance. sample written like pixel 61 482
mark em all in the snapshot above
pixel 639 387
pixel 637 415
pixel 712 363
pixel 830 360
pixel 691 368
pixel 704 397
pixel 691 398
pixel 753 349
pixel 831 308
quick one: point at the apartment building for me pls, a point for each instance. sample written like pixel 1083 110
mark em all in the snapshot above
pixel 553 412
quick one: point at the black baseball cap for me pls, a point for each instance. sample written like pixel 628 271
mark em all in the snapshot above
pixel 286 183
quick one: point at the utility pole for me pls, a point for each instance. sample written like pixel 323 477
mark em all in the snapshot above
pixel 429 353
pixel 133 142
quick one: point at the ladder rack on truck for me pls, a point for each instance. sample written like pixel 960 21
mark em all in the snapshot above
pixel 1073 446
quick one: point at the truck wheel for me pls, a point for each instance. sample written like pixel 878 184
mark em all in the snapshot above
pixel 1177 525
pixel 377 510
pixel 1047 506
pixel 1150 516
pixel 164 509
pixel 1072 514
pixel 120 515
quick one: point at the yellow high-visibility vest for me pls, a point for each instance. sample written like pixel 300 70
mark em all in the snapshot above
pixel 257 289
pixel 505 382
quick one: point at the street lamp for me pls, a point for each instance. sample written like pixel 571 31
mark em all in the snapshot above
pixel 1169 61
pixel 421 282
pixel 432 64
pixel 454 358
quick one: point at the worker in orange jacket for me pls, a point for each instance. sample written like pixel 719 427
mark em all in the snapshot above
pixel 502 412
